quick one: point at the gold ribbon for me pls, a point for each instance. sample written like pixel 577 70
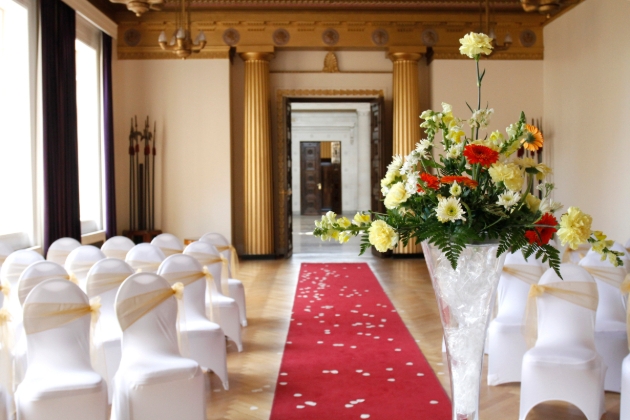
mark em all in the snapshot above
pixel 79 269
pixel 528 273
pixel 115 253
pixel 144 266
pixel 189 277
pixel 26 284
pixel 132 309
pixel 40 316
pixel 611 275
pixel 580 293
pixel 233 257
pixel 566 257
pixel 100 283
pixel 170 251
pixel 207 259
pixel 14 272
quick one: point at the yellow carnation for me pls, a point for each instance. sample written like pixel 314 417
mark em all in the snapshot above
pixel 382 236
pixel 575 227
pixel 533 203
pixel 396 195
pixel 474 44
pixel 508 173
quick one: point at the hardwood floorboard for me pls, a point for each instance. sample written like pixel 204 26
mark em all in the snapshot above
pixel 270 287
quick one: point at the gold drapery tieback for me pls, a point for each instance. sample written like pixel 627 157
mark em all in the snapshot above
pixel 611 275
pixel 580 293
pixel 528 273
pixel 27 284
pixel 144 266
pixel 100 283
pixel 40 316
pixel 207 259
pixel 233 257
pixel 170 251
pixel 116 253
pixel 57 253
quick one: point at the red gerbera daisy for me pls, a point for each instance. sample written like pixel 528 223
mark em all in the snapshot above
pixel 431 181
pixel 476 153
pixel 542 235
pixel 462 180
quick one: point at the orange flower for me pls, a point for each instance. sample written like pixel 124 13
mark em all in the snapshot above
pixel 476 153
pixel 533 139
pixel 462 180
pixel 431 181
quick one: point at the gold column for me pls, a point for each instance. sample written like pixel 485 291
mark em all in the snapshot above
pixel 406 101
pixel 258 171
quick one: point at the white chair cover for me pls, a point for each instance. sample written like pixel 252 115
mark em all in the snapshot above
pixel 506 343
pixel 206 340
pixel 117 247
pixel 80 261
pixel 168 243
pixel 624 409
pixel 59 250
pixel 60 383
pixel 611 338
pixel 145 257
pixel 575 255
pixel 220 308
pixel 5 251
pixel 564 364
pixel 103 280
pixel 34 274
pixel 235 287
pixel 154 381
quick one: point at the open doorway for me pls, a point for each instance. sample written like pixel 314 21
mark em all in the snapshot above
pixel 320 177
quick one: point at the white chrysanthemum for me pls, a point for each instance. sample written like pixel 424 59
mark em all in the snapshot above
pixel 411 185
pixel 449 210
pixel 549 206
pixel 409 166
pixel 397 162
pixel 455 189
pixel 508 199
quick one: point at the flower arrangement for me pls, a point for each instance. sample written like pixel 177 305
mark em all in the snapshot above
pixel 476 190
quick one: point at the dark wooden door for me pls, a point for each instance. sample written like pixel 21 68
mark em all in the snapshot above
pixel 310 183
pixel 380 154
pixel 331 187
pixel 288 193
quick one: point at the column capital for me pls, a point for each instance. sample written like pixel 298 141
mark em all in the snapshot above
pixel 255 52
pixel 405 53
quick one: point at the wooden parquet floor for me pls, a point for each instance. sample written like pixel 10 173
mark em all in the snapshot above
pixel 270 287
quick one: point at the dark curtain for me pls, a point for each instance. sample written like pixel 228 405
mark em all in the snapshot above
pixel 108 139
pixel 61 163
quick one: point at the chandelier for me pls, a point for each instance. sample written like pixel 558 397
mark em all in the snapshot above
pixel 489 30
pixel 141 6
pixel 181 42
pixel 541 6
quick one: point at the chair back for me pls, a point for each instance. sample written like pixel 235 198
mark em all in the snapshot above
pixel 220 242
pixel 117 247
pixel 155 332
pixel 168 243
pixel 5 251
pixel 10 273
pixel 37 273
pixel 561 322
pixel 60 249
pixel 81 260
pixel 608 278
pixel 145 257
pixel 67 345
pixel 513 285
pixel 202 252
pixel 186 269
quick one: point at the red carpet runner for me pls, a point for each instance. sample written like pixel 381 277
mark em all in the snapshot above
pixel 349 356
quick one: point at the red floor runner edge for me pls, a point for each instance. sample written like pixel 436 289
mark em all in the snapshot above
pixel 348 354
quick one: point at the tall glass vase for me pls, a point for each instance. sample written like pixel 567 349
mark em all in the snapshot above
pixel 465 297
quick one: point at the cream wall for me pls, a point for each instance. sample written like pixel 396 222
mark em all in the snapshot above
pixel 587 104
pixel 189 100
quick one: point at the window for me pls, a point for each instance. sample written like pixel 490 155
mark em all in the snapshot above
pixel 17 145
pixel 89 126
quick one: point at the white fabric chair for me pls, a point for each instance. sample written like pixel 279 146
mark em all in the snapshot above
pixel 60 383
pixel 168 243
pixel 10 273
pixel 103 281
pixel 59 250
pixel 223 309
pixel 154 381
pixel 79 262
pixel 506 343
pixel 575 255
pixel 205 339
pixel 235 287
pixel 145 257
pixel 611 338
pixel 117 247
pixel 5 251
pixel 624 409
pixel 33 275
pixel 564 364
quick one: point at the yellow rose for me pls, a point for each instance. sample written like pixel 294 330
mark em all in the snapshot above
pixel 382 236
pixel 361 218
pixel 508 173
pixel 474 44
pixel 396 195
pixel 575 227
pixel 344 222
pixel 533 203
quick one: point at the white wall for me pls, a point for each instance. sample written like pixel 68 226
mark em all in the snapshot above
pixel 587 104
pixel 190 100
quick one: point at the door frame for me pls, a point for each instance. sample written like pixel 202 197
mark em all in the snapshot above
pixel 282 195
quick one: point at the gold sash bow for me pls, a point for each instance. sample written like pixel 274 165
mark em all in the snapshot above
pixel 611 275
pixel 189 277
pixel 233 257
pixel 170 251
pixel 583 294
pixel 206 260
pixel 528 273
pixel 100 283
pixel 144 266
